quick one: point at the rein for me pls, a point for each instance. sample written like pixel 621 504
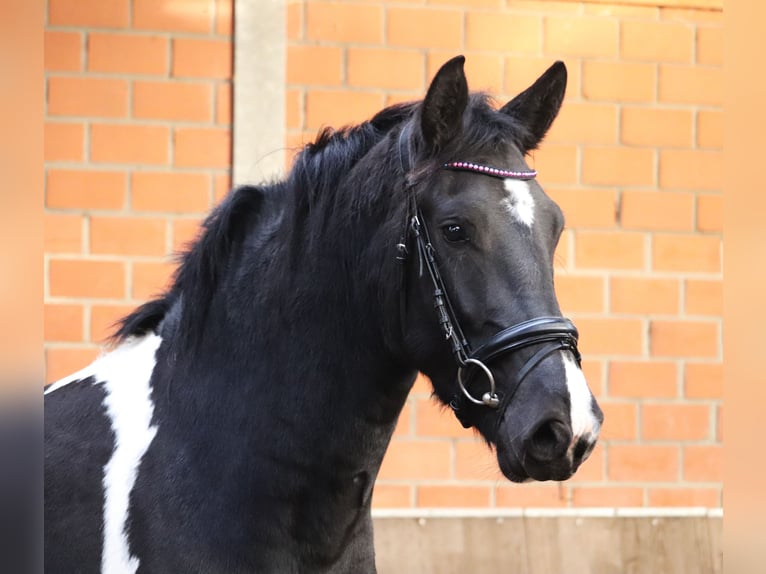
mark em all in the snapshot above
pixel 551 333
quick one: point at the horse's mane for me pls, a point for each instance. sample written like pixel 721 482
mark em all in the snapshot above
pixel 317 171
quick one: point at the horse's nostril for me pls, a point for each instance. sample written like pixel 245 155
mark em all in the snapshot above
pixel 580 448
pixel 550 441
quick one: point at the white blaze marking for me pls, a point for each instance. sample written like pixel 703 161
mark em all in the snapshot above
pixel 125 373
pixel 581 410
pixel 519 203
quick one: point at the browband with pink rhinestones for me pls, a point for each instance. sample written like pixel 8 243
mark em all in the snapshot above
pixel 492 171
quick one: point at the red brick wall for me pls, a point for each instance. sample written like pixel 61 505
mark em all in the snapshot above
pixel 137 148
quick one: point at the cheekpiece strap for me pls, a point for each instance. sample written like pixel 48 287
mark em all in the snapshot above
pixel 491 171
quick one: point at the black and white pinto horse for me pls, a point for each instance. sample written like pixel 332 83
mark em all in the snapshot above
pixel 239 421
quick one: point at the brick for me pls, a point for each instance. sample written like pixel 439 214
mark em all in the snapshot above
pixel 620 421
pixel 421 386
pixel 202 58
pixel 224 17
pixel 618 166
pixel 611 496
pixel 85 278
pixel 89 13
pixel 127 235
pixel 223 104
pixel 344 22
pixel 710 129
pixel 467 3
pixel 404 425
pixel 294 21
pixel 709 213
pixel 586 208
pixel 674 421
pixel 416 460
pixel 619 81
pixel 316 65
pixel 593 469
pixel 90 97
pixel 433 420
pixel 385 68
pixel 85 189
pixel 452 496
pixel 172 101
pixel 221 186
pixel 695 85
pixel 643 380
pixel 719 423
pixel 129 144
pixel 62 51
pixel 593 370
pixel 103 320
pixel 609 250
pixel 685 497
pixel 703 381
pixel 293 109
pixel 150 279
pixel 484 71
pixel 63 361
pixel 127 54
pixel 337 108
pixel 644 463
pixel 493 31
pixel 704 297
pixel 703 463
pixel 432 29
pixel 391 496
pixel 185 232
pixel 560 6
pixel 583 36
pixel 530 496
pixel 644 295
pixel 652 210
pixel 63 141
pixel 694 253
pixel 194 16
pixel 62 233
pixel 580 294
pixel 474 460
pixel 557 164
pixel 691 15
pixel 710 45
pixel 585 124
pixel 202 147
pixel 656 127
pixel 691 169
pixel 170 192
pixel 657 41
pixel 611 336
pixel 62 323
pixel 645 12
pixel 684 339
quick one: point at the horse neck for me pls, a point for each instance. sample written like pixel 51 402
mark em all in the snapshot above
pixel 301 346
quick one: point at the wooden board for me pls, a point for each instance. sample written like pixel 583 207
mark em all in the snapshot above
pixel 550 544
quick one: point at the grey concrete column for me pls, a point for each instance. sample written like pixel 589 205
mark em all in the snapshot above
pixel 259 90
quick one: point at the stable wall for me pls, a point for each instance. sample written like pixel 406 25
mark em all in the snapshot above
pixel 138 147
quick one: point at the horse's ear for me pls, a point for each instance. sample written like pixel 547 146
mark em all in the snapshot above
pixel 538 105
pixel 442 115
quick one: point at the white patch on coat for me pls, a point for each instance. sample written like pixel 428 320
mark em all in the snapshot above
pixel 125 374
pixel 519 203
pixel 582 417
pixel 78 376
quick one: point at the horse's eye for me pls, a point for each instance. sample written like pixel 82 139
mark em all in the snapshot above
pixel 455 233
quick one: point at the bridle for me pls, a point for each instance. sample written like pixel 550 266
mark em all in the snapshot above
pixel 549 333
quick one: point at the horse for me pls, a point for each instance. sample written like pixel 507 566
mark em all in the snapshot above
pixel 237 422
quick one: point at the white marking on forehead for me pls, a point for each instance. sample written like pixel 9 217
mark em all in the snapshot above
pixel 519 203
pixel 125 373
pixel 581 414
